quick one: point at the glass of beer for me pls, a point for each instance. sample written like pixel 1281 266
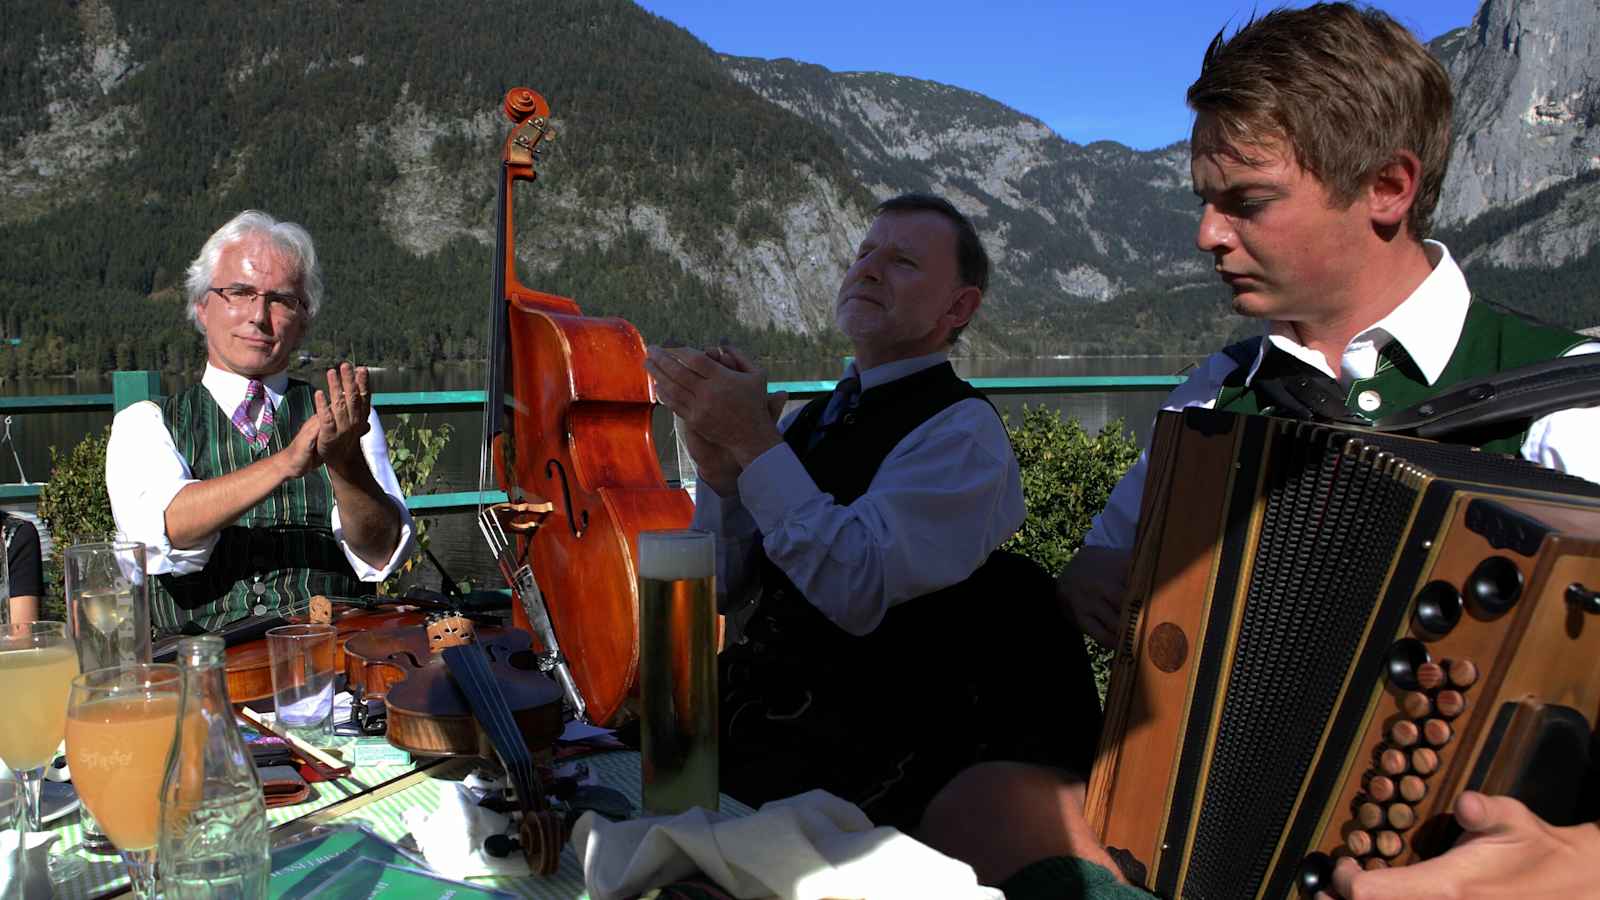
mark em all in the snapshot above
pixel 677 671
pixel 37 665
pixel 121 723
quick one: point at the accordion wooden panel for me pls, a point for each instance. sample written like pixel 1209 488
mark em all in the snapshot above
pixel 1330 634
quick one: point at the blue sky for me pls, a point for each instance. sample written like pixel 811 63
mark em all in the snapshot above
pixel 1091 71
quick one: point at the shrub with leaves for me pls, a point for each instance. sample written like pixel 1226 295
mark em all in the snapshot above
pixel 414 449
pixel 76 508
pixel 1067 476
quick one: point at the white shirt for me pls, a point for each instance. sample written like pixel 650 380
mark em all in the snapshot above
pixel 946 496
pixel 1428 324
pixel 144 471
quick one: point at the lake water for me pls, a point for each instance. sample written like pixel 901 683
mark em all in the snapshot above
pixel 455 540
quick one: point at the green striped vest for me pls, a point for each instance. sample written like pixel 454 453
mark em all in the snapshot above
pixel 1491 341
pixel 280 553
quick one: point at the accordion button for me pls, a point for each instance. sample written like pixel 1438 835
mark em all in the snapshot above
pixel 1374 864
pixel 1417 705
pixel 1463 673
pixel 1404 733
pixel 1424 761
pixel 1438 609
pixel 1450 704
pixel 1495 585
pixel 1430 676
pixel 1406 657
pixel 1392 762
pixel 1359 843
pixel 1369 400
pixel 1381 788
pixel 1413 789
pixel 1436 732
pixel 1369 815
pixel 1402 816
pixel 1388 844
pixel 1316 873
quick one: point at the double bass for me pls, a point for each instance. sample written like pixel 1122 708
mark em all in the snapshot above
pixel 576 436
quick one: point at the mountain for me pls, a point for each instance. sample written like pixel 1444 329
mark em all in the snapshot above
pixel 700 196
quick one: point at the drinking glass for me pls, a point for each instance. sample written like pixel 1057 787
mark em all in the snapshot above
pixel 302 679
pixel 108 603
pixel 121 723
pixel 677 671
pixel 37 665
pixel 108 614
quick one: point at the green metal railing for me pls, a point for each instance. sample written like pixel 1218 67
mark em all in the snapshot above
pixel 128 388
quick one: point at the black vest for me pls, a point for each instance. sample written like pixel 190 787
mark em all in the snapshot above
pixel 941 667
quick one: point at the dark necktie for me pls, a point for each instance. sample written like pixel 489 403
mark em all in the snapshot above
pixel 846 394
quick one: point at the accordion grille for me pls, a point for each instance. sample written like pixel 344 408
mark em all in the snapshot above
pixel 1314 580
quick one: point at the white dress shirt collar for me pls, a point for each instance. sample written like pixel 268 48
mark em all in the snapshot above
pixel 228 388
pixel 1427 324
pixel 889 371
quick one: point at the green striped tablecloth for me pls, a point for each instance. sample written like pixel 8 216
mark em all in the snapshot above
pixel 374 801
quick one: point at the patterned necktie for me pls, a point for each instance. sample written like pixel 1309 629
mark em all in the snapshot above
pixel 845 397
pixel 243 421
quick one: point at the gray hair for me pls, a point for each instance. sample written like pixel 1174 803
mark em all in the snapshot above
pixel 293 240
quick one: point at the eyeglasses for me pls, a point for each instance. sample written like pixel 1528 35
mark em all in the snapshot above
pixel 239 297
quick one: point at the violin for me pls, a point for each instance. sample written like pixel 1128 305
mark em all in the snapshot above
pixel 578 438
pixel 474 692
pixel 248 662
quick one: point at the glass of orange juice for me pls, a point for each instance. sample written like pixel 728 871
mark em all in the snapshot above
pixel 121 723
pixel 37 664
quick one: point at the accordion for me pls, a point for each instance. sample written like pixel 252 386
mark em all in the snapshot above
pixel 1330 634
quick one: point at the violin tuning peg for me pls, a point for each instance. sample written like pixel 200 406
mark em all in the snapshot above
pixel 500 846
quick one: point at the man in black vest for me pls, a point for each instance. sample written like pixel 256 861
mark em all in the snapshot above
pixel 856 539
pixel 1319 147
pixel 252 490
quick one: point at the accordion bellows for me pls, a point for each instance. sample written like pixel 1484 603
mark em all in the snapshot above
pixel 1330 635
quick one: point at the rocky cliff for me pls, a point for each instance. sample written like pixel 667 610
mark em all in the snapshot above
pixel 1527 81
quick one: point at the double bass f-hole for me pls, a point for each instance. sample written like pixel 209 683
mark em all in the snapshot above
pixel 581 523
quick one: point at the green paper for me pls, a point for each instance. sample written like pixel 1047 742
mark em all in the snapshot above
pixel 378 880
pixel 300 868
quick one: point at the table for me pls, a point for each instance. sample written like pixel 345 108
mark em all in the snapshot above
pixel 378 797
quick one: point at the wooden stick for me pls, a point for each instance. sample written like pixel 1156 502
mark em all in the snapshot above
pixel 324 763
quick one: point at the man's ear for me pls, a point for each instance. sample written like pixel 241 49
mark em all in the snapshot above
pixel 963 305
pixel 1394 189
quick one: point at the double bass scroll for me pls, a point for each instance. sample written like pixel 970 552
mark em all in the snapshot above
pixel 577 436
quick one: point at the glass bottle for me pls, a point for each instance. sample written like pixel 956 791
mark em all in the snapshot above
pixel 214 843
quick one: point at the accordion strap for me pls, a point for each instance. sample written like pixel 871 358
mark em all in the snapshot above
pixel 1524 393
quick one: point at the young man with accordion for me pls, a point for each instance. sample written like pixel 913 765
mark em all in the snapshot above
pixel 1319 148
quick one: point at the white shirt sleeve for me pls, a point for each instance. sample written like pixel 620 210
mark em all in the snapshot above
pixel 1117 524
pixel 375 448
pixel 144 471
pixel 947 495
pixel 1568 440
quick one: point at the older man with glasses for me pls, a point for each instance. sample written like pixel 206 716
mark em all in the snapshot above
pixel 255 491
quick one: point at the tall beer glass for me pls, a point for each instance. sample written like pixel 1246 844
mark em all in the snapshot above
pixel 678 671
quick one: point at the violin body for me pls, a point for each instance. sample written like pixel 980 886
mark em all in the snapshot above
pixel 427 713
pixel 579 437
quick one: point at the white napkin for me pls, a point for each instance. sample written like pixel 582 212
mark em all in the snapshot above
pixel 807 847
pixel 451 837
pixel 25 864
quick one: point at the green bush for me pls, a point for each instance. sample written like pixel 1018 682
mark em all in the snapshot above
pixel 414 450
pixel 1067 476
pixel 76 508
